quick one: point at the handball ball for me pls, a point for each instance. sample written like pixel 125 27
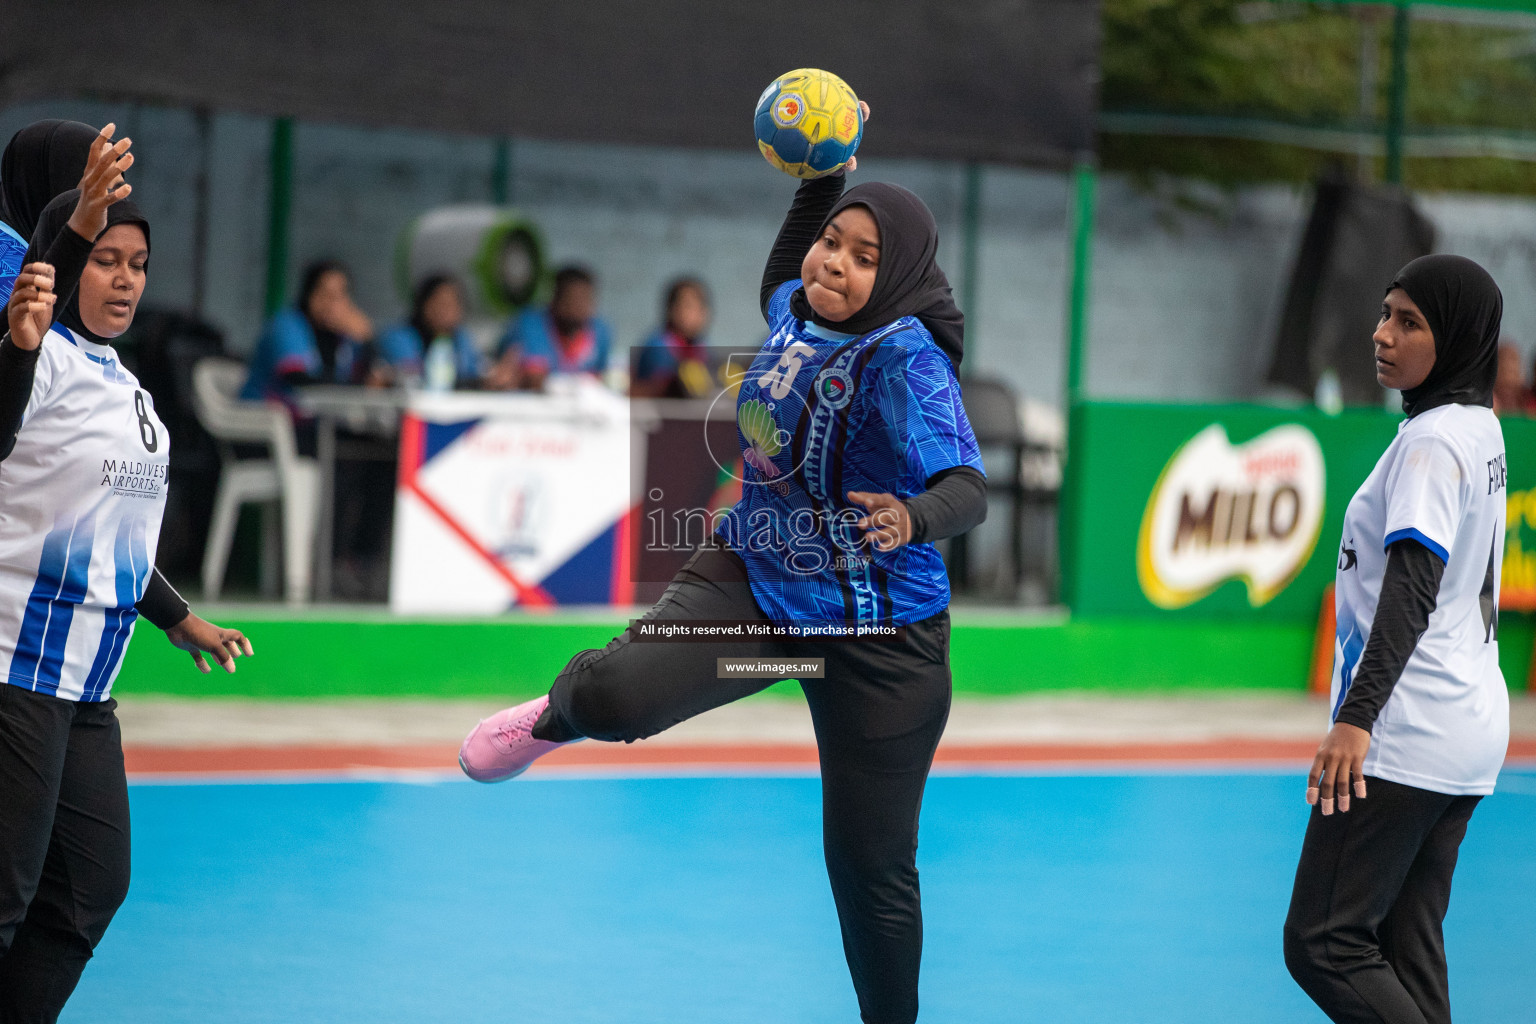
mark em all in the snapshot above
pixel 808 123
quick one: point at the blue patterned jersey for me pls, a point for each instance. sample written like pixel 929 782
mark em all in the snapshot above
pixel 822 414
pixel 12 250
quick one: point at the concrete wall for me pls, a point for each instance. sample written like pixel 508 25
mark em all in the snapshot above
pixel 1187 280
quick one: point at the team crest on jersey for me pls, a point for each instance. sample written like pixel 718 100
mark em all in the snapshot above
pixel 788 111
pixel 835 388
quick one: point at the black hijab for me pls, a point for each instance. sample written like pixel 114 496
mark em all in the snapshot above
pixel 908 281
pixel 424 292
pixel 1462 308
pixel 327 341
pixel 53 220
pixel 42 160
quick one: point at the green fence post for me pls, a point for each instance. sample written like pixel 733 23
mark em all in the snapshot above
pixel 1084 180
pixel 1397 106
pixel 970 256
pixel 501 171
pixel 279 204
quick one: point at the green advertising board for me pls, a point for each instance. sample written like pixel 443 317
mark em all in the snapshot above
pixel 1226 511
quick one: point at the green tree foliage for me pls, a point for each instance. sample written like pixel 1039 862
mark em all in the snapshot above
pixel 1300 63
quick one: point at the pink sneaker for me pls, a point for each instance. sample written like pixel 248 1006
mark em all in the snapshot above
pixel 502 747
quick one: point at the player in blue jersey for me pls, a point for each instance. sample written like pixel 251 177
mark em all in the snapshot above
pixel 859 456
pixel 42 160
pixel 83 473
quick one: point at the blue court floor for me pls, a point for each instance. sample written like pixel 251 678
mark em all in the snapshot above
pixel 1116 898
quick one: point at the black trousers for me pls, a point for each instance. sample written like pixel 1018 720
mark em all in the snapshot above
pixel 1363 936
pixel 63 845
pixel 878 715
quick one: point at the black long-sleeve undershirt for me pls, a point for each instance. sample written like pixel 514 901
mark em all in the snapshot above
pixel 814 199
pixel 161 605
pixel 18 369
pixel 1409 589
pixel 67 254
pixel 955 501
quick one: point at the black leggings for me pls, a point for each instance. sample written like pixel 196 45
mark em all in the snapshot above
pixel 878 714
pixel 63 845
pixel 1363 935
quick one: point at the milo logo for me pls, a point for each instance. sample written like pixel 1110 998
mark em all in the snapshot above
pixel 1221 511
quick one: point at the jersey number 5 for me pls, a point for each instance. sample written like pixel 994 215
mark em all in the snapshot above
pixel 146 425
pixel 781 378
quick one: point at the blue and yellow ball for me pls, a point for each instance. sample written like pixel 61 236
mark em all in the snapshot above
pixel 808 123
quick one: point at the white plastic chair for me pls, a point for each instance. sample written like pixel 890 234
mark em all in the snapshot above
pixel 284 478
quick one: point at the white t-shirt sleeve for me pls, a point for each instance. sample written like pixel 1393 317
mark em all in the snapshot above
pixel 1427 492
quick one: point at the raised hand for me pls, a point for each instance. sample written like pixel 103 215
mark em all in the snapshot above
pixel 853 161
pixel 102 184
pixel 340 314
pixel 29 312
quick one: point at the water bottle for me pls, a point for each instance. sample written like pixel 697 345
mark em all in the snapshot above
pixel 439 370
pixel 1329 395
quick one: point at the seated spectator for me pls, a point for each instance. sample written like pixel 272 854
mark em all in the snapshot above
pixel 672 362
pixel 323 339
pixel 1511 392
pixel 567 338
pixel 437 315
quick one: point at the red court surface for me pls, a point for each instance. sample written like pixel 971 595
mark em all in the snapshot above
pixel 647 758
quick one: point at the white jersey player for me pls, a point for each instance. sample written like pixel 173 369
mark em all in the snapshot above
pixel 83 465
pixel 1420 710
pixel 1445 725
pixel 83 491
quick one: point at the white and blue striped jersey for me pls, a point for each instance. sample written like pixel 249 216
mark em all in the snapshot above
pixel 81 498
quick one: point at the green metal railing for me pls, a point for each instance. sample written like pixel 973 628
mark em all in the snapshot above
pixel 279 207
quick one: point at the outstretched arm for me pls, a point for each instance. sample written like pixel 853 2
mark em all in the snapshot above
pixel 42 283
pixel 100 186
pixel 28 313
pixel 814 199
